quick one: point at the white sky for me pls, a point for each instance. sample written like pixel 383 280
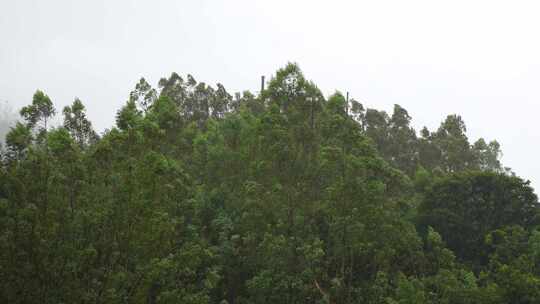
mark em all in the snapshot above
pixel 480 59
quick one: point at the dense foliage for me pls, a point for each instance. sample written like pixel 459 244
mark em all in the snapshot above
pixel 196 196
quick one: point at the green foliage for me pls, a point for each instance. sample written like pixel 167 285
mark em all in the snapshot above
pixel 18 139
pixel 40 111
pixel 464 207
pixel 282 197
pixel 78 125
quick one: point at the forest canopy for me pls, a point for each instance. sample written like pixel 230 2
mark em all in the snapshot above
pixel 284 196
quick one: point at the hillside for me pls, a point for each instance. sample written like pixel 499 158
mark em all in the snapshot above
pixel 287 196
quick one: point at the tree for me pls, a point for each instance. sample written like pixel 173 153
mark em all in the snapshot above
pixel 450 138
pixel 40 111
pixel 18 139
pixel 78 125
pixel 464 207
pixel 143 95
pixel 402 141
pixel 286 197
pixel 512 266
pixel 197 102
pixel 429 154
pixel 488 155
pixel 376 126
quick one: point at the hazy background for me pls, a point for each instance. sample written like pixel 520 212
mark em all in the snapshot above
pixel 480 59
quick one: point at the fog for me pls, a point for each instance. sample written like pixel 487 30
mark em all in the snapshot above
pixel 480 59
pixel 7 118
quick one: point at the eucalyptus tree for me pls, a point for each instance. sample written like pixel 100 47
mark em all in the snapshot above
pixel 403 143
pixel 78 125
pixel 143 95
pixel 287 196
pixel 39 113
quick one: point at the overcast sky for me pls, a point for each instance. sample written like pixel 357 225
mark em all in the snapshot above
pixel 480 59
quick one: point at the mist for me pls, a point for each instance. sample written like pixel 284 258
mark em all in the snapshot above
pixel 7 119
pixel 391 156
pixel 476 59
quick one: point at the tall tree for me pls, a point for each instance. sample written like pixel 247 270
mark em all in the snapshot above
pixel 376 126
pixel 402 141
pixel 78 125
pixel 143 95
pixel 450 138
pixel 488 155
pixel 39 112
